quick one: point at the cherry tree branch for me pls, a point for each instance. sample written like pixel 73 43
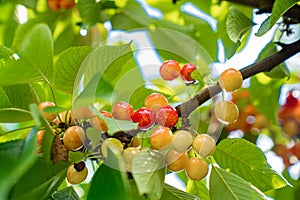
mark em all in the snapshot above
pixel 265 65
pixel 265 6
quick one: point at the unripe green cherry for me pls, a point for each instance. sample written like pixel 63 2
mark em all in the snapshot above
pixel 182 141
pixel 128 155
pixel 112 143
pixel 231 80
pixel 226 112
pixel 196 169
pixel 204 145
pixel 75 174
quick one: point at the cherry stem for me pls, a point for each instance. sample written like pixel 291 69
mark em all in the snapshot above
pixel 264 65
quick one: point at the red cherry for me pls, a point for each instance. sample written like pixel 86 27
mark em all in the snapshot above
pixel 186 72
pixel 145 117
pixel 169 70
pixel 167 116
pixel 291 101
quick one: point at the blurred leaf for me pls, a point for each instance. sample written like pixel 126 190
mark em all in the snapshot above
pixel 16 157
pixel 67 67
pixel 269 96
pixel 67 193
pixel 233 48
pixel 94 136
pixel 47 178
pixel 172 193
pixel 108 180
pixel 248 161
pixel 89 11
pixel 76 156
pixel 148 170
pixel 279 8
pixel 281 70
pixel 14 115
pixel 28 3
pixel 48 136
pixel 5 52
pixel 237 24
pixel 35 50
pixel 65 39
pixel 4 103
pixel 198 188
pixel 227 185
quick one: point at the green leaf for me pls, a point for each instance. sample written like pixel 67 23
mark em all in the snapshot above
pixel 35 51
pixel 226 185
pixel 48 136
pixel 108 180
pixel 16 157
pixel 89 11
pixel 28 3
pixel 198 188
pixel 148 170
pixel 94 136
pixel 233 48
pixel 281 70
pixel 14 115
pixel 47 178
pixel 237 24
pixel 5 52
pixel 67 66
pixel 172 193
pixel 76 156
pixel 67 193
pixel 279 8
pixel 4 103
pixel 269 96
pixel 248 161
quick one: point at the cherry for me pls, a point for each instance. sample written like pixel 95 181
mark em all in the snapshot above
pixel 122 111
pixel 290 127
pixel 67 117
pixel 74 137
pixel 40 135
pixel 83 113
pixel 226 112
pixel 136 142
pixel 145 117
pixel 182 141
pixel 167 116
pixel 176 161
pixel 196 169
pixel 296 150
pixel 155 100
pixel 161 138
pixel 186 72
pixel 47 104
pixel 60 4
pixel 291 101
pixel 169 70
pixel 231 79
pixel 114 144
pixel 204 145
pixel 128 155
pixel 77 173
pixel 98 123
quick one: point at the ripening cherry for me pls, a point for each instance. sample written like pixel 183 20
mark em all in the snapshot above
pixel 77 173
pixel 128 155
pixel 67 117
pixel 182 141
pixel 122 111
pixel 196 169
pixel 169 70
pixel 97 123
pixel 186 72
pixel 296 150
pixel 114 144
pixel 47 104
pixel 74 137
pixel 161 138
pixel 155 100
pixel 83 113
pixel 204 145
pixel 145 117
pixel 176 161
pixel 290 127
pixel 231 79
pixel 60 4
pixel 226 112
pixel 167 116
pixel 40 135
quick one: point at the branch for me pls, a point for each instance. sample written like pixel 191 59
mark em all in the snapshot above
pixel 265 6
pixel 265 65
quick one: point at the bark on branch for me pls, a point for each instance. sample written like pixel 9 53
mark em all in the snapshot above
pixel 265 65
